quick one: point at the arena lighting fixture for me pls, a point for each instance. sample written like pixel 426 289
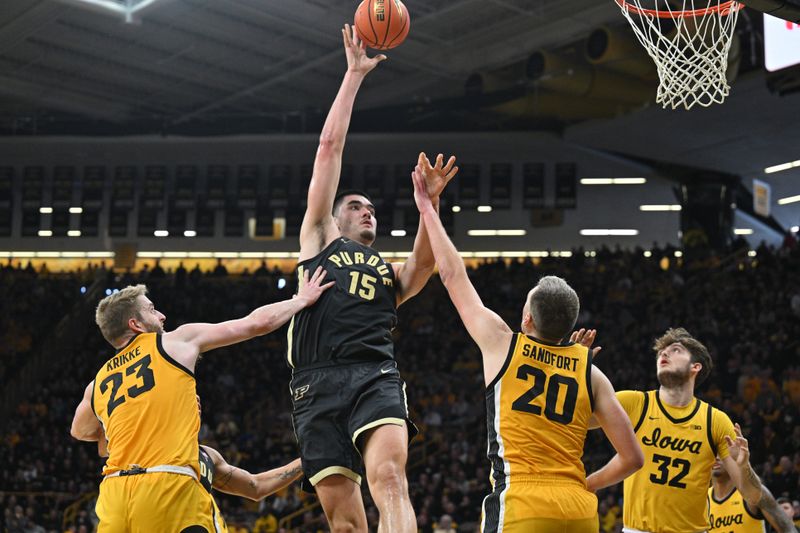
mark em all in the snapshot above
pixel 45 210
pixel 752 253
pixel 123 7
pixel 742 231
pixel 74 233
pixel 648 253
pixel 45 233
pixel 161 233
pixel 173 255
pixel 150 255
pixel 99 255
pixel 613 181
pixel 398 233
pixel 48 255
pixel 678 253
pixel 484 209
pixel 782 166
pixel 795 229
pixel 496 232
pixel 659 207
pixel 190 233
pixel 789 200
pixel 76 210
pixel 251 255
pixel 609 232
pixel 456 209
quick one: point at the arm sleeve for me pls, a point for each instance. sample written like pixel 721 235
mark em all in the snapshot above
pixel 721 426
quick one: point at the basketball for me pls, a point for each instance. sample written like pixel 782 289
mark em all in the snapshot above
pixel 382 24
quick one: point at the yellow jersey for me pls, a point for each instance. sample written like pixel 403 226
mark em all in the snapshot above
pixel 732 515
pixel 147 404
pixel 680 445
pixel 538 411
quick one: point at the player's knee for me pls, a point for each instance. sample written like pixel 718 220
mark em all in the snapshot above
pixel 343 524
pixel 390 476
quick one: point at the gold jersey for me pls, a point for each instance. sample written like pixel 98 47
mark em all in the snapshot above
pixel 147 404
pixel 668 494
pixel 732 515
pixel 538 411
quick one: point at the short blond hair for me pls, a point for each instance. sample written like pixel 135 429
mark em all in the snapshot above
pixel 114 311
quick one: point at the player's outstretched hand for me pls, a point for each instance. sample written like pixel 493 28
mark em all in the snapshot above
pixel 438 175
pixel 738 447
pixel 356 51
pixel 312 289
pixel 423 201
pixel 585 337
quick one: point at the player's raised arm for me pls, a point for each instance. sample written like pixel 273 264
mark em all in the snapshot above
pixel 614 421
pixel 485 327
pixel 187 342
pixel 416 271
pixel 318 227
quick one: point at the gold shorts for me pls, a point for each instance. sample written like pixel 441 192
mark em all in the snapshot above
pixel 157 501
pixel 542 508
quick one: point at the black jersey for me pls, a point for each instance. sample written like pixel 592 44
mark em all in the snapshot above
pixel 206 470
pixel 353 320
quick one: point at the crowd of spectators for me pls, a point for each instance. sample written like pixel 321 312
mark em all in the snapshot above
pixel 746 309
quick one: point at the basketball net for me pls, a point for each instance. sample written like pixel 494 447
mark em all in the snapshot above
pixel 689 46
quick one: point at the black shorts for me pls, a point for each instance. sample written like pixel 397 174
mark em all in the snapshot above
pixel 333 407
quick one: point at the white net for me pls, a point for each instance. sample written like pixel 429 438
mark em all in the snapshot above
pixel 689 44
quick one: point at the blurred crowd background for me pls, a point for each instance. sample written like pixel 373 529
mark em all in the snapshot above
pixel 744 307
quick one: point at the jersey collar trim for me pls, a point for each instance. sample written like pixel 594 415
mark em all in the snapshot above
pixel 672 418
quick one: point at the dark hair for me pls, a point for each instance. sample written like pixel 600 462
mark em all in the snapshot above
pixel 554 308
pixel 696 348
pixel 337 201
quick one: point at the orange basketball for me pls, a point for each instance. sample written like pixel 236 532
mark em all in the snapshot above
pixel 382 24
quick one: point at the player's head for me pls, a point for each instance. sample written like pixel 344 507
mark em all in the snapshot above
pixel 786 506
pixel 551 309
pixel 681 359
pixel 718 472
pixel 125 312
pixel 355 216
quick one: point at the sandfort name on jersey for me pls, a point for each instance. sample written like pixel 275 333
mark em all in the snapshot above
pixel 543 355
pixel 123 358
pixel 343 258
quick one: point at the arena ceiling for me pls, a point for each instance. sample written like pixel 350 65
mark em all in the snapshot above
pixel 216 66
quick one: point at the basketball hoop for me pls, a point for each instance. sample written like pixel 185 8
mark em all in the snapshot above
pixel 689 46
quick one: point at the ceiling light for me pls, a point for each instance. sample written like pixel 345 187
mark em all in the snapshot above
pixel 456 209
pixel 76 210
pixel 660 207
pixel 781 167
pixel 789 200
pixel 484 209
pixel 226 255
pixel 678 253
pixel 398 233
pixel 742 231
pixel 45 210
pixel 648 253
pixel 190 233
pixel 161 233
pixel 795 229
pixel 99 254
pixel 150 255
pixel 611 232
pixel 496 232
pixel 752 253
pixel 45 233
pixel 74 233
pixel 613 181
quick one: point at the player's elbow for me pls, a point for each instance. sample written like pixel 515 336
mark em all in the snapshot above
pixel 634 460
pixel 329 145
pixel 80 433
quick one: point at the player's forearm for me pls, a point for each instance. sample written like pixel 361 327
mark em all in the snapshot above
pixel 268 318
pixel 616 470
pixel 750 485
pixel 774 514
pixel 447 257
pixel 334 131
pixel 274 480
